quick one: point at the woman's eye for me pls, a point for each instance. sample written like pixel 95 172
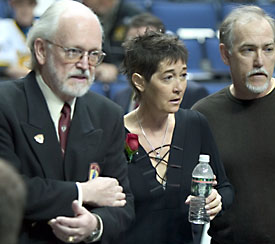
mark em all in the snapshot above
pixel 168 77
pixel 184 75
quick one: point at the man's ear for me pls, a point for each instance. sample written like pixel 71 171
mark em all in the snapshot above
pixel 138 81
pixel 40 51
pixel 224 53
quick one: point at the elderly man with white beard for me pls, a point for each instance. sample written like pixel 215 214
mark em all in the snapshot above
pixel 66 142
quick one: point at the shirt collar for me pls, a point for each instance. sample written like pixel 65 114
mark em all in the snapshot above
pixel 55 104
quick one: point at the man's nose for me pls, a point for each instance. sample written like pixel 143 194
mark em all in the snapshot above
pixel 258 61
pixel 83 62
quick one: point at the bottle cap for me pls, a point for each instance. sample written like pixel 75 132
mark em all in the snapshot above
pixel 204 158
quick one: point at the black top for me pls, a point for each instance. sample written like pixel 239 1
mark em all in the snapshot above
pixel 161 214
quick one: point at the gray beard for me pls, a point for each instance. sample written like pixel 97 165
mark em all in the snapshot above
pixel 257 89
pixel 77 90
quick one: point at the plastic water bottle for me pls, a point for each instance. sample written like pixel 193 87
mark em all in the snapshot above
pixel 202 180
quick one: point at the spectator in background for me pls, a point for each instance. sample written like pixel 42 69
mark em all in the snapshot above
pixel 12 201
pixel 138 25
pixel 242 120
pixel 114 16
pixel 14 53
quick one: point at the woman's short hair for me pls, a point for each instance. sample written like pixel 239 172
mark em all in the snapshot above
pixel 144 53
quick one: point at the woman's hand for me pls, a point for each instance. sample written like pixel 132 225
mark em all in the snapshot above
pixel 214 181
pixel 213 201
pixel 213 204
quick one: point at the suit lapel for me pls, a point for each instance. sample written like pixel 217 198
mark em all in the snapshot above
pixel 83 142
pixel 40 131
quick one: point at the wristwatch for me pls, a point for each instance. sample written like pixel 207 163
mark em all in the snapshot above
pixel 95 235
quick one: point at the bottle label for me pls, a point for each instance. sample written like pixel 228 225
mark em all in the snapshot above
pixel 201 187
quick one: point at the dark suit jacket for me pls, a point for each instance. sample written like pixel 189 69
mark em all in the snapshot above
pixel 193 93
pixel 96 135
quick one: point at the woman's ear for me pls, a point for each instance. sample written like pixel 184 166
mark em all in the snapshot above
pixel 138 82
pixel 224 54
pixel 40 51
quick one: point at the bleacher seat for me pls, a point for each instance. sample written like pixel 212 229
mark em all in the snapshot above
pixel 194 55
pixel 143 4
pixel 100 88
pixel 226 8
pixel 195 59
pixel 269 8
pixel 110 89
pixel 218 68
pixel 5 9
pixel 185 15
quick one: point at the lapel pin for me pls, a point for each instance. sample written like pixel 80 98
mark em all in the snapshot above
pixel 94 171
pixel 39 138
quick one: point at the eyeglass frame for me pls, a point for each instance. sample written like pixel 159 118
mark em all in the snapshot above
pixel 81 53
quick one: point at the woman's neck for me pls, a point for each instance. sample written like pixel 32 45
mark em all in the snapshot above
pixel 152 119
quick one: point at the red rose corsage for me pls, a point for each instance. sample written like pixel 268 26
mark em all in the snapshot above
pixel 131 146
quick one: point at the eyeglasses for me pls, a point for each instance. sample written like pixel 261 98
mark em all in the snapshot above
pixel 73 55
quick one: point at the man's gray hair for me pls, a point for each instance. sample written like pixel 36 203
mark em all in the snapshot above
pixel 46 26
pixel 241 14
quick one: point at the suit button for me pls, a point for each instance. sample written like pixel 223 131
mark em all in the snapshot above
pixel 33 224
